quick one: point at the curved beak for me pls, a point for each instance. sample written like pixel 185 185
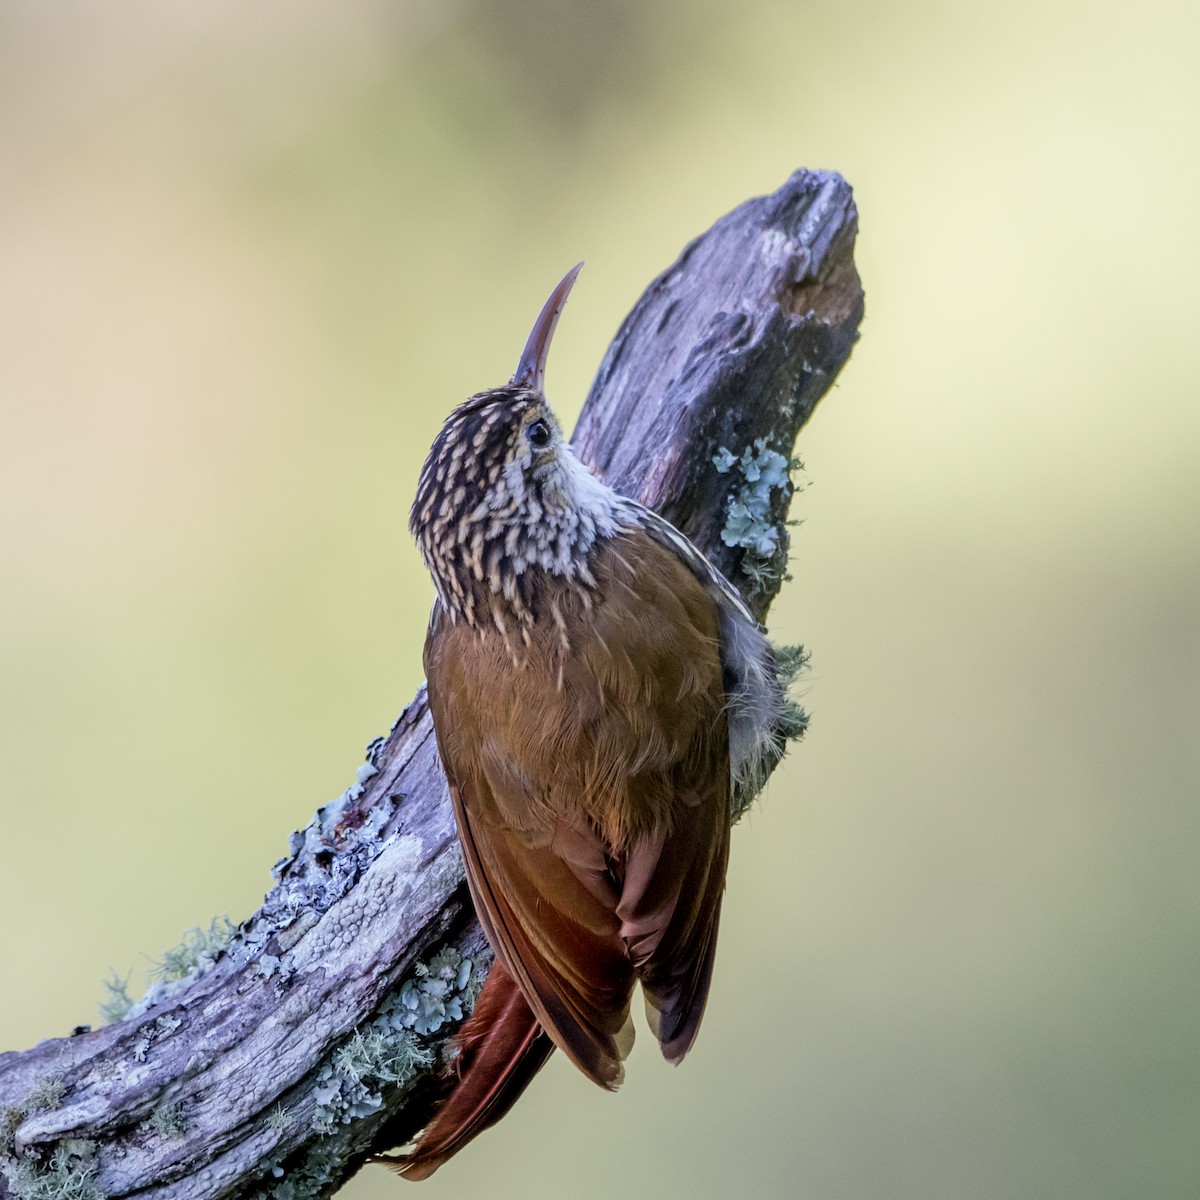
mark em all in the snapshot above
pixel 531 370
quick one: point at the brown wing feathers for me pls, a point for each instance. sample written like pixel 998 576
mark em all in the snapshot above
pixel 559 939
pixel 591 787
pixel 670 909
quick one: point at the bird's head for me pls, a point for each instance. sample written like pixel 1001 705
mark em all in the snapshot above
pixel 502 494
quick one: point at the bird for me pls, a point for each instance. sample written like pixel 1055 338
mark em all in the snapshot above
pixel 599 693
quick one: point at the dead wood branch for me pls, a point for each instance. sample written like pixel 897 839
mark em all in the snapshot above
pixel 273 1066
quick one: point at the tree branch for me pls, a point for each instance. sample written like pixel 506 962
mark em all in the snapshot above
pixel 316 1028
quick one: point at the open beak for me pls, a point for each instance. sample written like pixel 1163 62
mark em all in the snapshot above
pixel 531 370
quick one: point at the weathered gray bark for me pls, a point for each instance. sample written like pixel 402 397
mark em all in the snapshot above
pixel 247 1076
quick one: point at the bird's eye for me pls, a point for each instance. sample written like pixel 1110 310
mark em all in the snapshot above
pixel 538 433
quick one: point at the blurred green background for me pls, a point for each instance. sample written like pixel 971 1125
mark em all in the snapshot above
pixel 250 255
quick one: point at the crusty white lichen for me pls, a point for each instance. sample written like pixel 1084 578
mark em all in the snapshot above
pixel 322 831
pixel 325 859
pixel 151 1032
pixel 306 893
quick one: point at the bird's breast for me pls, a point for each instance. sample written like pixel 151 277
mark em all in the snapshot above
pixel 604 705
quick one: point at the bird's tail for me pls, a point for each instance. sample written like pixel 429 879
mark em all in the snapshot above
pixel 500 1049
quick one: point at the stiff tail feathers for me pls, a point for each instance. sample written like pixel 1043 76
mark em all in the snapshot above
pixel 500 1049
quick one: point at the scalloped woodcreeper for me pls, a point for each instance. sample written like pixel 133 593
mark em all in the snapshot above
pixel 597 688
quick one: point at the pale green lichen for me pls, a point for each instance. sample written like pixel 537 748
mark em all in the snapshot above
pixel 388 1050
pixel 790 663
pixel 752 523
pixel 308 1178
pixel 377 1060
pixel 10 1120
pixel 68 1174
pixel 196 953
pixel 352 1084
pixel 478 977
pixel 755 524
pixel 47 1093
pixel 169 1120
pixel 119 1001
pixel 435 995
pixel 280 1119
pixel 27 1178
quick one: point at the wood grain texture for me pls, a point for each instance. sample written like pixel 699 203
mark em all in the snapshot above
pixel 735 342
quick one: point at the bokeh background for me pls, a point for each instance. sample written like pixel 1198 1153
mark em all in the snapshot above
pixel 249 257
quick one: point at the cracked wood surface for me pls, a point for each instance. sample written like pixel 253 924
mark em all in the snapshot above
pixel 735 342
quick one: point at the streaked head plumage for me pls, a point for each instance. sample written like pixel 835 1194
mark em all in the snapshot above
pixel 502 493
